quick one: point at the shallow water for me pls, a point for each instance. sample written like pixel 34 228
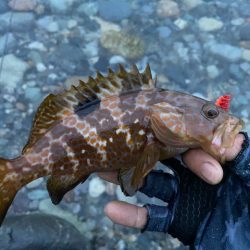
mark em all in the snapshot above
pixel 201 47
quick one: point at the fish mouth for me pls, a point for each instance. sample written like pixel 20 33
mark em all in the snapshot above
pixel 224 136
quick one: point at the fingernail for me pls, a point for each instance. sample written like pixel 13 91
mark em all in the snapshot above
pixel 210 173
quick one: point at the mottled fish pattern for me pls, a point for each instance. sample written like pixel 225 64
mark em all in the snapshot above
pixel 122 122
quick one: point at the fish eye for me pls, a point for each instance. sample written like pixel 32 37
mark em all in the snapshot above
pixel 210 112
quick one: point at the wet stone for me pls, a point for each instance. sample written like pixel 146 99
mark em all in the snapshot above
pixel 22 5
pixel 164 31
pixel 38 194
pixel 39 231
pixel 12 42
pixel 113 10
pixel 245 32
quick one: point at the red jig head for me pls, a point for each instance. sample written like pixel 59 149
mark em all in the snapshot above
pixel 224 102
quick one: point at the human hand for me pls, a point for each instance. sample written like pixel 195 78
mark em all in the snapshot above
pixel 199 162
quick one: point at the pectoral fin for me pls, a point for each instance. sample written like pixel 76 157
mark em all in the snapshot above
pixel 168 124
pixel 131 179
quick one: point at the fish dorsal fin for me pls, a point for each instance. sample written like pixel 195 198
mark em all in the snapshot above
pixel 56 107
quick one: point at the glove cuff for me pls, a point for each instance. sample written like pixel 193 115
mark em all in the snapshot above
pixel 159 218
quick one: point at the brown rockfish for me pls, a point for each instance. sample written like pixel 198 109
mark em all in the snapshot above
pixel 122 122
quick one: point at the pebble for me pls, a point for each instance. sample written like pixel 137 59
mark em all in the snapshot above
pixel 40 67
pixel 37 194
pixel 226 51
pixel 209 24
pixel 35 183
pixel 22 5
pixel 33 94
pixel 60 6
pixel 245 32
pixel 13 71
pixel 21 21
pixel 181 23
pixel 245 67
pixel 53 27
pixel 120 195
pixel 212 71
pixel 246 54
pixel 117 59
pixel 191 4
pixel 37 46
pixel 113 10
pixel 71 24
pixel 124 44
pixel 96 187
pixel 167 8
pixel 164 32
pixel 90 9
pixel 237 21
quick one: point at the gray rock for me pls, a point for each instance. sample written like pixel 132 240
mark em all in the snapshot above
pixel 113 10
pixel 21 21
pixel 33 94
pixel 11 41
pixel 37 194
pixel 164 32
pixel 235 71
pixel 212 71
pixel 40 232
pixel 226 51
pixel 209 24
pixel 12 71
pixel 89 9
pixel 245 32
pixel 245 67
pixel 48 23
pixel 96 187
pixel 60 6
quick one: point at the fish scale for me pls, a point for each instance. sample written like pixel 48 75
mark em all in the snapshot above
pixel 120 122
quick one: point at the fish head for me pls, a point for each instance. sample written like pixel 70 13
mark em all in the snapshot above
pixel 196 123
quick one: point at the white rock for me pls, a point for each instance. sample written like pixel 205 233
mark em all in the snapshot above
pixel 209 24
pixel 181 23
pixel 167 8
pixel 237 21
pixel 37 45
pixel 212 71
pixel 96 187
pixel 246 54
pixel 72 24
pixel 116 59
pixel 122 197
pixel 40 67
pixel 12 71
pixel 191 4
pixel 53 27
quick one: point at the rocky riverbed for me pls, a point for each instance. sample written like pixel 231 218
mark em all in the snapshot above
pixel 198 46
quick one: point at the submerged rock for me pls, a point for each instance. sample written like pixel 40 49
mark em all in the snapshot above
pixel 124 44
pixel 113 10
pixel 12 71
pixel 40 232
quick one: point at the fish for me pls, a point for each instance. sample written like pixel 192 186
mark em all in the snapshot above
pixel 119 122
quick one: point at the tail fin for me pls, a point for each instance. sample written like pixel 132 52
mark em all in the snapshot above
pixel 7 188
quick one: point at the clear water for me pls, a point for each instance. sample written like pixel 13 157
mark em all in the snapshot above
pixel 201 47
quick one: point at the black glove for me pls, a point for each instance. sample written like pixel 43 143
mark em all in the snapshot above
pixel 189 198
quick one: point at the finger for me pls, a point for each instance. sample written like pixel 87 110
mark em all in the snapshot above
pixel 232 152
pixel 126 214
pixel 109 176
pixel 203 165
